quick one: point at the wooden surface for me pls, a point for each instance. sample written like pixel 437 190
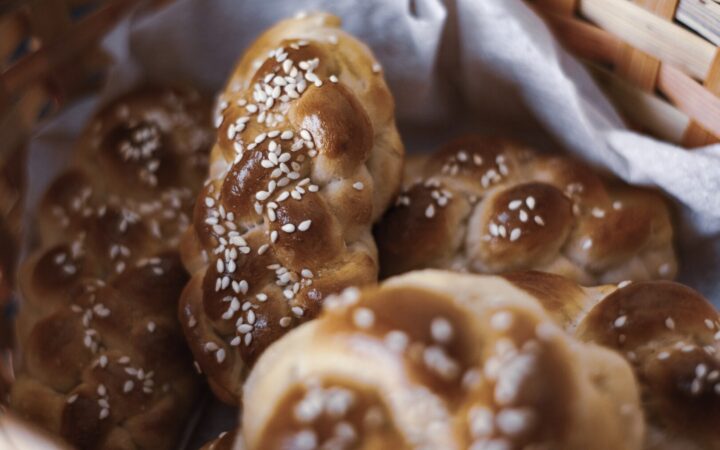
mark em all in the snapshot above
pixel 702 16
pixel 651 34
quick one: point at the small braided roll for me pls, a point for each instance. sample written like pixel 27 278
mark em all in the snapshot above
pixel 104 363
pixel 307 158
pixel 491 205
pixel 437 360
pixel 668 333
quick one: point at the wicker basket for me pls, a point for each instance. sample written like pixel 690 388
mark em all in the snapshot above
pixel 662 76
pixel 650 58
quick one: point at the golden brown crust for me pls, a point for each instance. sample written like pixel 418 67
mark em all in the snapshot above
pixel 307 158
pixel 671 336
pixel 668 333
pixel 105 364
pixel 491 205
pixel 439 360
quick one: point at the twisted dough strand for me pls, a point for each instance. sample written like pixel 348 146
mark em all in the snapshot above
pixel 436 360
pixel 104 362
pixel 490 205
pixel 668 333
pixel 307 158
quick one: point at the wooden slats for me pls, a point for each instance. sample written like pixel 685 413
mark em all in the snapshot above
pixel 662 39
pixel 642 109
pixel 690 97
pixel 585 40
pixel 637 41
pixel 703 16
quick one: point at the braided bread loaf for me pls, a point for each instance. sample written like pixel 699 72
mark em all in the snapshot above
pixel 307 158
pixel 105 364
pixel 666 331
pixel 438 360
pixel 491 205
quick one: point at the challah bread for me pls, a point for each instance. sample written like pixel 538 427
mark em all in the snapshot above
pixel 670 335
pixel 439 360
pixel 307 158
pixel 491 205
pixel 104 363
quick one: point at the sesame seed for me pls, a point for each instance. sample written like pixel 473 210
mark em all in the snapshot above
pixel 515 234
pixel 363 318
pixel 104 413
pixel 376 67
pixel 211 347
pixel 670 323
pixel 620 322
pixel 285 322
pixel 358 185
pixel 530 202
pixel 624 283
pixel 244 328
pixel 430 211
pixel 514 421
pixel 502 320
pixel 304 225
pixel 664 269
pixel 587 243
pixel 709 323
pixel 539 220
pixel 220 356
pixel 441 329
pixel 515 204
pixel 288 228
pixel 305 134
pixel 262 195
pixel 523 216
pixel 151 326
pixel 502 231
pixel 128 386
pixel 72 399
pixel 397 341
pixel 298 311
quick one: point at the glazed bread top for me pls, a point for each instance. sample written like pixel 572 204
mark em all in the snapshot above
pixel 432 360
pixel 492 205
pixel 307 158
pixel 104 361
